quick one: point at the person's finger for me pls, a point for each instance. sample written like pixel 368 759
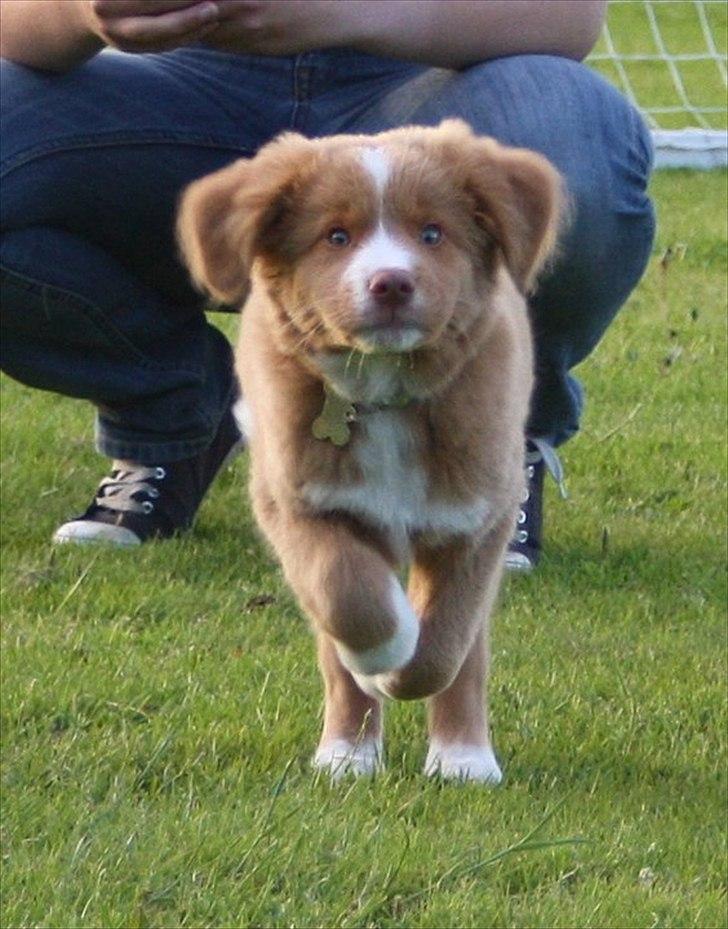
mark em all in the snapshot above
pixel 115 9
pixel 188 38
pixel 164 28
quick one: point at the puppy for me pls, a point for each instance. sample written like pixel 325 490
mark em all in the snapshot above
pixel 385 361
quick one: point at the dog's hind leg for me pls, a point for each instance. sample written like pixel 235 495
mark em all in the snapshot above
pixel 351 741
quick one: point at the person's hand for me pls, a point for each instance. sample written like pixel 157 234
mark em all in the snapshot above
pixel 150 25
pixel 280 27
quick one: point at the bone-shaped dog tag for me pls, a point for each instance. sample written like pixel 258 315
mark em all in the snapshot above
pixel 332 423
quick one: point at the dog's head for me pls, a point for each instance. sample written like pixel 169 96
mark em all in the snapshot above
pixel 381 243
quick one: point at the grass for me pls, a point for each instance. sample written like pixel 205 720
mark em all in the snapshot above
pixel 160 706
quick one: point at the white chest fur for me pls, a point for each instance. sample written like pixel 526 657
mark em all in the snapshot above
pixel 395 491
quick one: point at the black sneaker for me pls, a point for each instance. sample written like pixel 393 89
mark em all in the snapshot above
pixel 524 550
pixel 140 502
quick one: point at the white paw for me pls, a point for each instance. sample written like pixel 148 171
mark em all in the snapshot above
pixel 395 652
pixel 374 685
pixel 463 763
pixel 341 757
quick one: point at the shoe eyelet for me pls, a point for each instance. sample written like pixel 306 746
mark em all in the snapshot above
pixel 525 496
pixel 530 471
pixel 153 493
pixel 521 517
pixel 522 536
pixel 160 473
pixel 147 506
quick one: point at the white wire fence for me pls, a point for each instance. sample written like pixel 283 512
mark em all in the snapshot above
pixel 669 58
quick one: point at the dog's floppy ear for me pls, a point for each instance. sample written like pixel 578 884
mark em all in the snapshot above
pixel 228 218
pixel 519 201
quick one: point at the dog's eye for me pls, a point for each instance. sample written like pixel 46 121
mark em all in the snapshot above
pixel 431 234
pixel 338 237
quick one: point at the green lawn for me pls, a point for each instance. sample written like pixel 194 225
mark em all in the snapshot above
pixel 160 706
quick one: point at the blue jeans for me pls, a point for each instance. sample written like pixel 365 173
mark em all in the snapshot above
pixel 95 303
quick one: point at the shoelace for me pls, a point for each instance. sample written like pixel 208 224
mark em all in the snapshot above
pixel 541 451
pixel 121 490
pixel 551 460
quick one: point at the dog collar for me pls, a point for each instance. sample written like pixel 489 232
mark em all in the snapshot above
pixel 333 422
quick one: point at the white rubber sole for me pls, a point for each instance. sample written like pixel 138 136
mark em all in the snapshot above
pixel 89 532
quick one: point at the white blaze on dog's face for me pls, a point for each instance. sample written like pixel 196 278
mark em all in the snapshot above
pixel 380 275
pixel 384 243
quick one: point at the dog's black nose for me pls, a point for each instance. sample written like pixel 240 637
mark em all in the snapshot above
pixel 391 286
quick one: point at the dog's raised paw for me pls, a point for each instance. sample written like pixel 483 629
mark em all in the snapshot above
pixel 461 762
pixel 373 685
pixel 341 757
pixel 394 652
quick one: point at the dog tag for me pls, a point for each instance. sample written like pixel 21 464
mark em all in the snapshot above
pixel 332 423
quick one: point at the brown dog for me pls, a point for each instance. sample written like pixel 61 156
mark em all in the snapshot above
pixel 385 362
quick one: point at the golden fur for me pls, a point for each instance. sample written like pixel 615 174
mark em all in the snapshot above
pixel 433 470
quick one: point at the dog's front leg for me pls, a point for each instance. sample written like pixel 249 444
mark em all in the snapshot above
pixel 457 717
pixel 351 741
pixel 452 588
pixel 346 586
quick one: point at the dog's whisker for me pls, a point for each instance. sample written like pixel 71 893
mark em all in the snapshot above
pixel 348 360
pixel 305 340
